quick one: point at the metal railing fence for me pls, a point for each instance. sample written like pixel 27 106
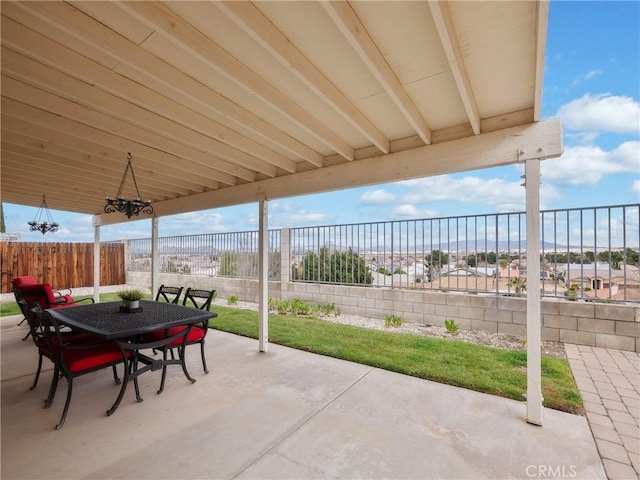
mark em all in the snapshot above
pixel 214 254
pixel 586 253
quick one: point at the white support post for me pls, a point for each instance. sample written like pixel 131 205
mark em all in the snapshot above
pixel 534 375
pixel 263 274
pixel 96 264
pixel 155 258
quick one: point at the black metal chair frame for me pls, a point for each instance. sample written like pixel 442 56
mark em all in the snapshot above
pixel 37 334
pixel 165 290
pixel 52 331
pixel 194 296
pixel 33 316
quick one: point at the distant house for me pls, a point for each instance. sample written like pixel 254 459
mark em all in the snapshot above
pixel 480 279
pixel 600 279
pixel 594 276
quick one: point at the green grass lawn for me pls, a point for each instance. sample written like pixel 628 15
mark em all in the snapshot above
pixel 484 369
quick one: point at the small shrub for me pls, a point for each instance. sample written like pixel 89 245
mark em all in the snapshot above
pixel 130 295
pixel 300 307
pixel 452 327
pixel 327 309
pixel 282 307
pixel 392 320
pixel 232 299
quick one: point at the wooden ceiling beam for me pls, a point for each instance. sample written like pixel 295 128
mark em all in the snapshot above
pixel 94 164
pixel 541 140
pixel 118 93
pixel 449 40
pixel 76 30
pixel 253 22
pixel 176 30
pixel 39 124
pixel 36 97
pixel 356 33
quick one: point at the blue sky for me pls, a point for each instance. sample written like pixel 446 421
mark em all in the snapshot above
pixel 591 81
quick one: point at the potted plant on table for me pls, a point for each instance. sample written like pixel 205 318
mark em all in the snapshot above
pixel 130 299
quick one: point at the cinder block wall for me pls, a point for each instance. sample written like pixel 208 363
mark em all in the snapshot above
pixel 595 324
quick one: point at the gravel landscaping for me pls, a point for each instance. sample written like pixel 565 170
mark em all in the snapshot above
pixel 497 340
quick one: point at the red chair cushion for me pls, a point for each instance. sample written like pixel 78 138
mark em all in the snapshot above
pixel 23 281
pixel 43 294
pixel 81 360
pixel 195 335
pixel 33 293
pixel 69 339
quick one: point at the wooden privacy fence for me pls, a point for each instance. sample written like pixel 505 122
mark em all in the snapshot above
pixel 63 265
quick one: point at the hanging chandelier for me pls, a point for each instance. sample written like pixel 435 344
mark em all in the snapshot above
pixel 37 225
pixel 128 207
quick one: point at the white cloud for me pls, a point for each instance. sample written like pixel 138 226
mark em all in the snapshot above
pixel 412 211
pixel 586 165
pixel 500 194
pixel 377 197
pixel 291 214
pixel 602 113
pixel 201 218
pixel 303 217
pixel 636 186
pixel 586 76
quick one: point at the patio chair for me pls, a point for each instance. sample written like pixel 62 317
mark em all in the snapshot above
pixel 33 315
pixel 56 296
pixel 24 281
pixel 73 359
pixel 45 296
pixel 166 292
pixel 197 298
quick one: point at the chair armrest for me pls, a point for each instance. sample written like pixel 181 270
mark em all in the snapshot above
pixel 59 292
pixel 88 299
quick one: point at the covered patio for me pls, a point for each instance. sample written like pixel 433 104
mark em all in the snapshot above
pixel 222 103
pixel 283 414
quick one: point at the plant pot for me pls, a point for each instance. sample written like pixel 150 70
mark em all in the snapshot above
pixel 132 304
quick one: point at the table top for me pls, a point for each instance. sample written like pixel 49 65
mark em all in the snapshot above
pixel 105 319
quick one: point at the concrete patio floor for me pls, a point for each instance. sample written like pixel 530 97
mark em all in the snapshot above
pixel 286 414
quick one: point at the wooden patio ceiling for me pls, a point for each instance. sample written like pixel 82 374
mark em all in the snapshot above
pixel 222 103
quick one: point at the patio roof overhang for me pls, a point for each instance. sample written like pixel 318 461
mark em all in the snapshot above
pixel 222 103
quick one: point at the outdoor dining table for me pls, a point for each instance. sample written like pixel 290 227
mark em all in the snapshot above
pixel 107 321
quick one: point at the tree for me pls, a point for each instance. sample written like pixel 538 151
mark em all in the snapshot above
pixel 519 283
pixel 613 258
pixel 349 267
pixel 337 267
pixel 434 262
pixel 228 265
pixel 632 257
pixel 471 260
pixel 437 258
